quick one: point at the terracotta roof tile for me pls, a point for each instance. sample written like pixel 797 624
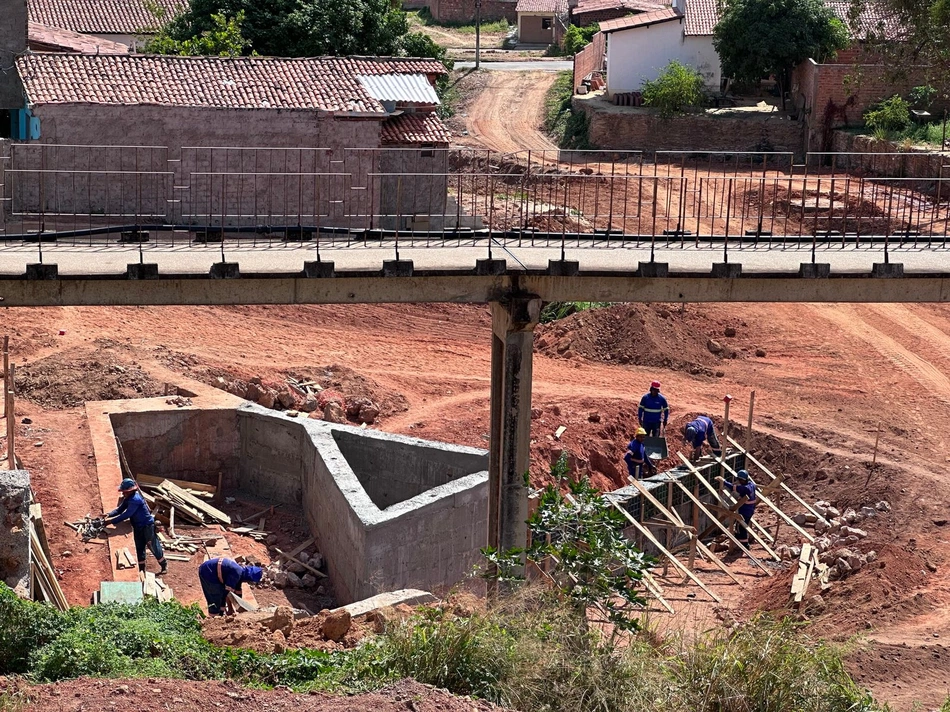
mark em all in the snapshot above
pixel 115 17
pixel 701 17
pixel 586 6
pixel 54 39
pixel 326 84
pixel 415 128
pixel 644 19
pixel 555 7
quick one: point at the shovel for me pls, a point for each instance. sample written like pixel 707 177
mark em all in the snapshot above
pixel 239 604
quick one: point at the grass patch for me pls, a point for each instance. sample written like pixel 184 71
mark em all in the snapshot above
pixel 914 135
pixel 552 311
pixel 424 17
pixel 567 127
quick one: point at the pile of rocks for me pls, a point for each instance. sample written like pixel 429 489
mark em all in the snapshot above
pixel 293 574
pixel 837 535
pixel 308 397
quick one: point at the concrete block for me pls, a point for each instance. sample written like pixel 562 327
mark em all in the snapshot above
pixel 397 268
pixel 42 271
pixel 727 270
pixel 653 269
pixel 887 269
pixel 814 270
pixel 148 270
pixel 318 269
pixel 133 237
pixel 490 267
pixel 563 268
pixel 225 270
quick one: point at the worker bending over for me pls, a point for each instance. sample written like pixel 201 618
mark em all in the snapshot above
pixel 222 576
pixel 744 488
pixel 653 412
pixel 636 457
pixel 134 508
pixel 699 431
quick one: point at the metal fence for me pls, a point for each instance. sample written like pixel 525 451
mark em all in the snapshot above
pixel 87 193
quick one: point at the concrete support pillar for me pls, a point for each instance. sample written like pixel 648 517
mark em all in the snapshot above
pixel 513 325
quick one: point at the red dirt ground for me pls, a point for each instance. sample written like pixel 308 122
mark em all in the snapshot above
pixel 830 376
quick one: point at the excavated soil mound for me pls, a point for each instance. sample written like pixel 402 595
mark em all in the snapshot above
pixel 93 695
pixel 276 632
pixel 69 379
pixel 660 335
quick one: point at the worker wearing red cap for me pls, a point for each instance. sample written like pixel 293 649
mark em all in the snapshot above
pixel 654 412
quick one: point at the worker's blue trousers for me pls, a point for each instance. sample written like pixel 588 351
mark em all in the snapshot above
pixel 215 596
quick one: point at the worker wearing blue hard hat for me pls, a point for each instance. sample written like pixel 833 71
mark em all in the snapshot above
pixel 222 576
pixel 745 490
pixel 699 431
pixel 134 508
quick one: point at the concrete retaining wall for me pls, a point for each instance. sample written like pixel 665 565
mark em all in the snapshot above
pixel 191 444
pixel 15 499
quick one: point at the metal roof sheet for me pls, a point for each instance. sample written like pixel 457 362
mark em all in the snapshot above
pixel 401 88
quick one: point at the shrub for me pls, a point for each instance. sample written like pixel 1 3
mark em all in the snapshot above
pixel 576 38
pixel 24 626
pixel 676 89
pixel 569 128
pixel 889 115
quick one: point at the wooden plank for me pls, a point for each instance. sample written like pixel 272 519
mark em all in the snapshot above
pixel 129 560
pixel 784 486
pixel 36 517
pixel 156 480
pixel 708 513
pixel 256 515
pixel 653 587
pixel 713 518
pixel 46 573
pixel 260 524
pixel 126 470
pixel 316 572
pixel 676 562
pixel 171 521
pixel 177 557
pixel 302 547
pixel 196 503
pixel 775 508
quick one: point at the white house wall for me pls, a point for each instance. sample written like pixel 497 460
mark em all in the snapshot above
pixel 641 53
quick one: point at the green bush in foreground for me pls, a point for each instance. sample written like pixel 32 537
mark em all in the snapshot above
pixel 676 89
pixel 889 115
pixel 531 651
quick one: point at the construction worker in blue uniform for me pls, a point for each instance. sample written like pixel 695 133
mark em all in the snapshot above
pixel 636 457
pixel 700 431
pixel 745 490
pixel 222 576
pixel 134 508
pixel 654 412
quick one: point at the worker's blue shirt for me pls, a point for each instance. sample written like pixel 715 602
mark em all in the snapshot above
pixel 232 573
pixel 135 510
pixel 636 453
pixel 703 425
pixel 746 489
pixel 653 409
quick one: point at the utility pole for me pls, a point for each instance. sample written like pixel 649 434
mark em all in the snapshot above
pixel 478 33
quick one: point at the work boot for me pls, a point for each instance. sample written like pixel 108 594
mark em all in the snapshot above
pixel 164 569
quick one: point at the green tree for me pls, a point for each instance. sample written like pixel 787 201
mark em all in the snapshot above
pixel 676 89
pixel 594 564
pixel 756 38
pixel 300 28
pixel 909 34
pixel 576 38
pixel 223 40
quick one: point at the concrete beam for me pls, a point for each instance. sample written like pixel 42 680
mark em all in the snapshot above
pixel 513 325
pixel 463 286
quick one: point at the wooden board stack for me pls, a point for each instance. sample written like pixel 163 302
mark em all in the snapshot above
pixel 44 586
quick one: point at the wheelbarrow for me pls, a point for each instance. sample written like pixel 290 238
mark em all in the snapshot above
pixel 656 448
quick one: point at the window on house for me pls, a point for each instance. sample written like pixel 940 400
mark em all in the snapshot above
pixel 546 23
pixel 427 150
pixel 6 123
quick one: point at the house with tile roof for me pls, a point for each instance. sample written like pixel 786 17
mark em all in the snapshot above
pixel 121 21
pixel 542 21
pixel 639 47
pixel 345 113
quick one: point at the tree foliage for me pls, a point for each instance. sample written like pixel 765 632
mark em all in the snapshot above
pixel 676 89
pixel 224 40
pixel 756 38
pixel 909 34
pixel 576 38
pixel 594 565
pixel 300 28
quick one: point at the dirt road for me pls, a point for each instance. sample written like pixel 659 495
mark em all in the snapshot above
pixel 508 114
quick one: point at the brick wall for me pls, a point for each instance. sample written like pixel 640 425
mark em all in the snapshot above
pixel 590 59
pixel 869 156
pixel 628 128
pixel 836 95
pixel 464 10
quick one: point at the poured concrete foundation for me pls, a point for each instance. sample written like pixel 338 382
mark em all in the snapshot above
pixel 388 511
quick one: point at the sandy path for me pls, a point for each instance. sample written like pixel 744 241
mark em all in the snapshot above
pixel 508 114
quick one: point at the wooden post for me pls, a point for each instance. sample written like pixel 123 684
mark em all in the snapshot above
pixel 10 410
pixel 725 421
pixel 877 439
pixel 669 532
pixel 748 429
pixel 6 368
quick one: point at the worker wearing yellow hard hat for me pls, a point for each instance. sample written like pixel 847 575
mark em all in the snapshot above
pixel 636 457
